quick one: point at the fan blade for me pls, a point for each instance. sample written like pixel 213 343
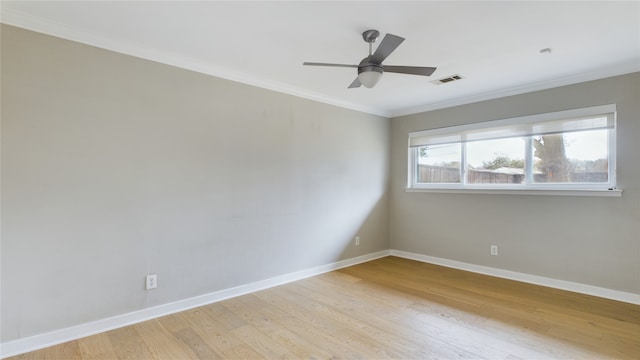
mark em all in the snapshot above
pixel 386 47
pixel 355 84
pixel 326 64
pixel 411 70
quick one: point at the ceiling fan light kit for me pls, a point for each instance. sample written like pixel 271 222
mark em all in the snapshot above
pixel 369 75
pixel 370 69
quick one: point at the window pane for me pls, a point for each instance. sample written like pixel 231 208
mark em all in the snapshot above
pixel 499 161
pixel 570 150
pixel 438 163
pixel 577 157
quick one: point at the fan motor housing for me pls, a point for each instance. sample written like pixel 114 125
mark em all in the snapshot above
pixel 370 67
pixel 367 65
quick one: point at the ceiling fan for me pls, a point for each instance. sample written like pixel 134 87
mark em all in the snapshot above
pixel 370 68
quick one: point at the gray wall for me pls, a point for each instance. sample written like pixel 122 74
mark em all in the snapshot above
pixel 589 240
pixel 113 167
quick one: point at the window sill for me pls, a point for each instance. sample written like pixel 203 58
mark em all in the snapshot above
pixel 601 193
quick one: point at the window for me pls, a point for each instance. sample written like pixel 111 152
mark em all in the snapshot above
pixel 567 150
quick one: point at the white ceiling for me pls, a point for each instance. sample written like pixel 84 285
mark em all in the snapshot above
pixel 495 46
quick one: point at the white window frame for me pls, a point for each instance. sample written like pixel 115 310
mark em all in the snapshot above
pixel 528 187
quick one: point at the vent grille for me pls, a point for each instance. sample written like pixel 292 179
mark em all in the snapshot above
pixel 448 79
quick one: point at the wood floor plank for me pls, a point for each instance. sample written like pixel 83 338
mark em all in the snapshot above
pixel 313 328
pixel 295 343
pixel 260 343
pixel 128 344
pixel 242 351
pixel 69 350
pixel 422 338
pixel 173 323
pixel 163 344
pixel 398 321
pixel 97 347
pixel 195 342
pixel 519 317
pixel 214 333
pixel 389 308
pixel 224 317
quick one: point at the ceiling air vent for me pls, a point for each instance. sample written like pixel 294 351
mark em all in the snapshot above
pixel 448 79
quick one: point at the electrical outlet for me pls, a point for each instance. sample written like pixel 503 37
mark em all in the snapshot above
pixel 151 281
pixel 494 250
pixel 357 240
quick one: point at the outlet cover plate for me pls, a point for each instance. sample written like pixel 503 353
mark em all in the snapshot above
pixel 151 281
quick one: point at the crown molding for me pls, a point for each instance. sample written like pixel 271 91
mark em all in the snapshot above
pixel 620 69
pixel 26 21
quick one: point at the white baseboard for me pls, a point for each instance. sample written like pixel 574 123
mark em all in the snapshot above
pixel 531 279
pixel 40 341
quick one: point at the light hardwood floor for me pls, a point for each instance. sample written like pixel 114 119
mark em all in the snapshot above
pixel 387 308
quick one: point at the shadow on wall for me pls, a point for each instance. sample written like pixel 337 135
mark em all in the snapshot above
pixel 372 233
pixel 317 237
